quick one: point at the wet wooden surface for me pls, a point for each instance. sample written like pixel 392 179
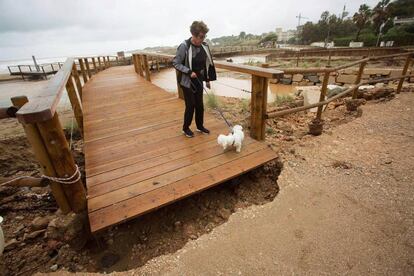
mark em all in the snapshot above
pixel 136 157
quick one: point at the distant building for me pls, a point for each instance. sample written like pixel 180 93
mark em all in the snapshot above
pixel 284 36
pixel 401 21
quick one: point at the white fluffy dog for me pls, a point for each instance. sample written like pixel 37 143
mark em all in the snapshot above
pixel 233 139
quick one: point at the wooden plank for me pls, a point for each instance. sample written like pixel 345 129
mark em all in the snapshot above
pixel 247 69
pixel 135 188
pixel 166 166
pixel 157 198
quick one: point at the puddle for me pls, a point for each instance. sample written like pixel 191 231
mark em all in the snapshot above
pixel 224 86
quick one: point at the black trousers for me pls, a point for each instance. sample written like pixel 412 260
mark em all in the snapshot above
pixel 193 98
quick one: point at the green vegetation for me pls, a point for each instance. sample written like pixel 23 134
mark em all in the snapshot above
pixel 364 26
pixel 211 100
pixel 245 105
pixel 282 99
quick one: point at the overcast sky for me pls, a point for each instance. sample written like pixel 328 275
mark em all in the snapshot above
pixel 51 28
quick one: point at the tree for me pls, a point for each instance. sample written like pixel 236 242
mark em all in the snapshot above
pixel 242 35
pixel 361 18
pixel 269 37
pixel 381 14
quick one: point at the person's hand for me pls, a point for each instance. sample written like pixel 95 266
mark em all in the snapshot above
pixel 208 85
pixel 193 75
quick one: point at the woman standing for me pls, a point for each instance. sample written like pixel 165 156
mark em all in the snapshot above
pixel 194 64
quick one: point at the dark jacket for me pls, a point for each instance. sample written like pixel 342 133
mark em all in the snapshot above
pixel 183 59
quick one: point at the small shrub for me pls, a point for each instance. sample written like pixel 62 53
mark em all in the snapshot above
pixel 282 99
pixel 245 105
pixel 212 100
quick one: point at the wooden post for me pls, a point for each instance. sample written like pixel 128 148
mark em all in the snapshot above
pixel 329 59
pixel 109 62
pixel 139 64
pixel 117 60
pixel 95 69
pixel 134 60
pixel 179 88
pixel 74 100
pixel 58 150
pixel 99 62
pixel 404 72
pixel 158 64
pixel 258 107
pixel 297 61
pixel 40 152
pixel 103 63
pixel 83 71
pixel 77 80
pixel 358 79
pixel 147 71
pixel 88 70
pixel 323 94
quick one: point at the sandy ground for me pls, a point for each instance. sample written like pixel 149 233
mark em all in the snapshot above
pixel 345 207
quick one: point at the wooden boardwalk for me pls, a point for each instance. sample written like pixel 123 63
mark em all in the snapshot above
pixel 136 157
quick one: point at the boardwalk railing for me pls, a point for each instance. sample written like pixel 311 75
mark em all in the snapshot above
pixel 45 133
pixel 351 90
pixel 259 76
pixel 259 84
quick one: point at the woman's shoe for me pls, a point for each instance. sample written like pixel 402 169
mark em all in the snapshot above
pixel 188 133
pixel 203 130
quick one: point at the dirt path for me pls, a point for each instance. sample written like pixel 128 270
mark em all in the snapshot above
pixel 345 205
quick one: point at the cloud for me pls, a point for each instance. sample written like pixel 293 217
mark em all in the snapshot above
pixel 50 27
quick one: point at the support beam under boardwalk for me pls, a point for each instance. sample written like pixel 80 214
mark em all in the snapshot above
pixel 136 157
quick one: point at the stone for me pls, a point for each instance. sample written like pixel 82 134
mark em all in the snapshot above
pixel 274 81
pixel 33 234
pixel 224 213
pixel 54 267
pixel 313 78
pixel 311 96
pixel 11 244
pixel 333 90
pixel 350 71
pixel 40 223
pixel 285 80
pixel 70 228
pixel 377 71
pixel 297 77
pixel 349 79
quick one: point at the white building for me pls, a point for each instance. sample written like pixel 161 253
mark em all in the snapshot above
pixel 284 35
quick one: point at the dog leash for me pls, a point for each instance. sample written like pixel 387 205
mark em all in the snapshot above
pixel 218 109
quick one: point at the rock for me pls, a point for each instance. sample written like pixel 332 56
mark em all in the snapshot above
pixel 177 224
pixel 334 90
pixel 285 80
pixel 70 228
pixel 274 81
pixel 313 78
pixel 110 241
pixel 19 218
pixel 311 96
pixel 377 71
pixel 11 244
pixel 297 77
pixel 224 213
pixel 18 229
pixel 40 223
pixel 350 71
pixel 54 267
pixel 33 234
pixel 349 79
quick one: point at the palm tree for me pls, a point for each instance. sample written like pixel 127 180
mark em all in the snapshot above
pixel 381 14
pixel 361 18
